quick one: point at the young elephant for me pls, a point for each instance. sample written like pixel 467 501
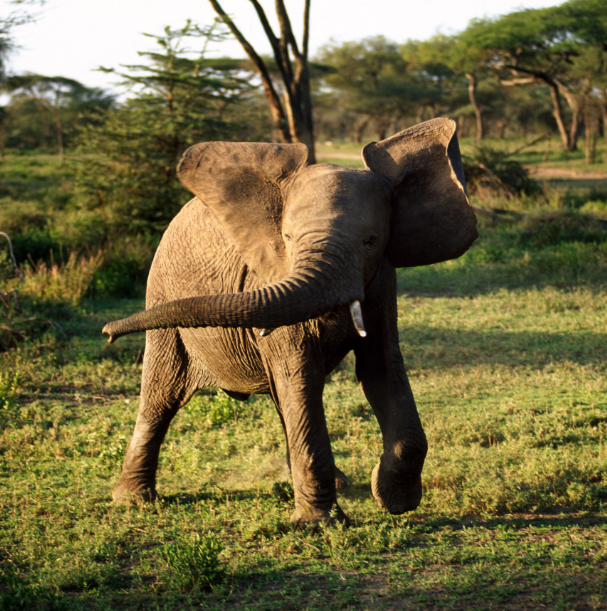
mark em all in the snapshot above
pixel 273 273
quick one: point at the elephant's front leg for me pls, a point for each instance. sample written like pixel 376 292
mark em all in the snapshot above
pixel 297 386
pixel 396 480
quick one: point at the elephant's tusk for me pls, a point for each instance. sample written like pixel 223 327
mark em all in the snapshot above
pixel 265 332
pixel 357 318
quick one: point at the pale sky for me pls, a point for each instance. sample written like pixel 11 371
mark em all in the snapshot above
pixel 73 37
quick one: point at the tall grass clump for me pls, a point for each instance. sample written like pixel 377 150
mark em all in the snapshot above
pixel 61 283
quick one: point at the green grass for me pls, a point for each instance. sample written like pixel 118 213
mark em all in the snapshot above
pixel 506 350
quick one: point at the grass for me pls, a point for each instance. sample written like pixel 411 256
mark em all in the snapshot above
pixel 506 350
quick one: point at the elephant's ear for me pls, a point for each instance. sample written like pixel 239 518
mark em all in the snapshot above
pixel 243 184
pixel 432 219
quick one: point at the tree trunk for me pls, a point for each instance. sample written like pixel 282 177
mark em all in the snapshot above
pixel 294 121
pixel 58 128
pixel 574 129
pixel 590 133
pixel 461 126
pixel 360 130
pixel 558 115
pixel 501 129
pixel 477 108
pixel 532 77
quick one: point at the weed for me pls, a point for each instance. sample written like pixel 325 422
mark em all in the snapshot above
pixel 194 564
pixel 217 410
pixel 8 402
pixel 489 170
pixel 283 492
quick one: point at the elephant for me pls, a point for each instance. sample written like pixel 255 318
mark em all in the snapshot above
pixel 276 270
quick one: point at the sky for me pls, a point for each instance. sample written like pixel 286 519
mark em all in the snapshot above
pixel 74 37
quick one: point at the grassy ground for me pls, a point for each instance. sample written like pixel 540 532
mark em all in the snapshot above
pixel 506 350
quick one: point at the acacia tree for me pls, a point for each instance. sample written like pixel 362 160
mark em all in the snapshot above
pixel 50 93
pixel 541 46
pixel 292 116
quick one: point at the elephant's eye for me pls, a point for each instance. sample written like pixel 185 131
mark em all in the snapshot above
pixel 370 241
pixel 287 237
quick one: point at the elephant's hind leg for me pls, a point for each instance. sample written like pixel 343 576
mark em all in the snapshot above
pixel 167 384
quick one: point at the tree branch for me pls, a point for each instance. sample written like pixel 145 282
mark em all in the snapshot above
pixel 285 27
pixel 516 81
pixel 276 108
pixel 306 30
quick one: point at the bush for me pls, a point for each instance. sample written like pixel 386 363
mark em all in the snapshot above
pixel 491 172
pixel 125 268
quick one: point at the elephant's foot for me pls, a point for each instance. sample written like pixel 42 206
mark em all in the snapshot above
pixel 341 480
pixel 393 494
pixel 311 516
pixel 130 491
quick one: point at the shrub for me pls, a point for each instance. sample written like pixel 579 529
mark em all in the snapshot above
pixel 124 270
pixel 491 172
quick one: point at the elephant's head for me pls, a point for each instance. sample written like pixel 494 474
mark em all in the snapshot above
pixel 315 235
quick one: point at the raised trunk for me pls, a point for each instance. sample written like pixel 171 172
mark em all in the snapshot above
pixel 314 288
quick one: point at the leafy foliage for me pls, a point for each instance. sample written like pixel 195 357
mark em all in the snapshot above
pixel 128 162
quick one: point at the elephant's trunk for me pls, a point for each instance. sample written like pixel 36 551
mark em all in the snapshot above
pixel 318 284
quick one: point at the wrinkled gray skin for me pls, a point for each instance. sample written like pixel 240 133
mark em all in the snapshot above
pixel 272 243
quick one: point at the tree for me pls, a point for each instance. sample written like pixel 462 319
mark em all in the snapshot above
pixel 52 94
pixel 465 60
pixel 371 81
pixel 179 98
pixel 293 116
pixel 542 46
pixel 7 23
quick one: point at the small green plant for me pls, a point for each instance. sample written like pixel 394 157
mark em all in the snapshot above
pixel 195 564
pixel 8 403
pixel 283 492
pixel 217 410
